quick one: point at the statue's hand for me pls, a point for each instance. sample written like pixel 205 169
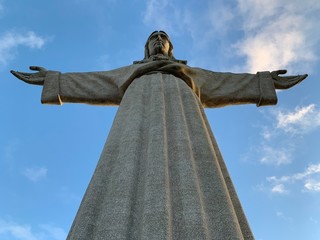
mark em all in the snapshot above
pixel 286 82
pixel 32 78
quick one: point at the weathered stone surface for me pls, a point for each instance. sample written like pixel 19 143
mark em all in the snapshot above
pixel 161 174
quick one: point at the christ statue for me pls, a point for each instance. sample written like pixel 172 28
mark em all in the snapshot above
pixel 161 174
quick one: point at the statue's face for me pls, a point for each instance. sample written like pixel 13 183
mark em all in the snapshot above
pixel 158 44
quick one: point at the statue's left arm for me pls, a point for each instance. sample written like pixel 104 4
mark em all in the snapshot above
pixel 221 89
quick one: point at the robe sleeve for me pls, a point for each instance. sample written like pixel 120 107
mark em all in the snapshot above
pixel 97 88
pixel 221 89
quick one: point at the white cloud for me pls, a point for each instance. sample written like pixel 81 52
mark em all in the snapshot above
pixel 298 121
pixel 310 178
pixel 11 40
pixel 312 169
pixel 312 185
pixel 278 34
pixel 296 117
pixel 267 133
pixel 301 120
pixel 35 174
pixel 279 188
pixel 279 140
pixel 276 155
pixel 15 231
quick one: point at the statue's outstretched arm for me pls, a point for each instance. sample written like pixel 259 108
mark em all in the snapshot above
pixel 32 78
pixel 286 82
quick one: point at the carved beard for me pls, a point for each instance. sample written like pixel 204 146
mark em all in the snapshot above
pixel 158 48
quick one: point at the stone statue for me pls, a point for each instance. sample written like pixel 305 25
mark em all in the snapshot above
pixel 161 174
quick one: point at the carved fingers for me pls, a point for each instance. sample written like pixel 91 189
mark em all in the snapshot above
pixel 286 81
pixel 32 78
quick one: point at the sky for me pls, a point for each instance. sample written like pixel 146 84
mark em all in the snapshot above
pixel 48 153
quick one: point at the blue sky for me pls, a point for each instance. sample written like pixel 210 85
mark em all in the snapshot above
pixel 48 153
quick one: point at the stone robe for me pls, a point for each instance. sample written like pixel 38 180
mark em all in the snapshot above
pixel 161 174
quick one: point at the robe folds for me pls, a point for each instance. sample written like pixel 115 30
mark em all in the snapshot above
pixel 161 174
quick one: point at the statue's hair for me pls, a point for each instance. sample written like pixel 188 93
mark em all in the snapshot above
pixel 170 53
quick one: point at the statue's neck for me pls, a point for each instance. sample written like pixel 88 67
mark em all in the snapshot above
pixel 159 57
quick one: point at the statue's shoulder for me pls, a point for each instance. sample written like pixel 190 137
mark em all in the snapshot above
pixel 123 69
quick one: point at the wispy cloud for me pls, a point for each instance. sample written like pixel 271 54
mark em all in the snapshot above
pixel 312 185
pixel 310 179
pixel 11 40
pixel 104 61
pixel 314 220
pixel 13 230
pixel 9 151
pixel 279 143
pixel 300 120
pixel 278 34
pixel 66 196
pixel 275 155
pixel 205 25
pixel 283 216
pixel 156 14
pixel 212 23
pixel 278 188
pixel 270 35
pixel 279 138
pixel 208 29
pixel 16 231
pixel 54 232
pixel 35 174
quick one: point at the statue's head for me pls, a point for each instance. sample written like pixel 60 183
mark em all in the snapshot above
pixel 158 43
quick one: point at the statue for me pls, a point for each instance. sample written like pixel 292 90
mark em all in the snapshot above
pixel 161 174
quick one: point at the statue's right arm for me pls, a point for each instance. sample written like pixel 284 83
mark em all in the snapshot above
pixel 98 88
pixel 32 78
